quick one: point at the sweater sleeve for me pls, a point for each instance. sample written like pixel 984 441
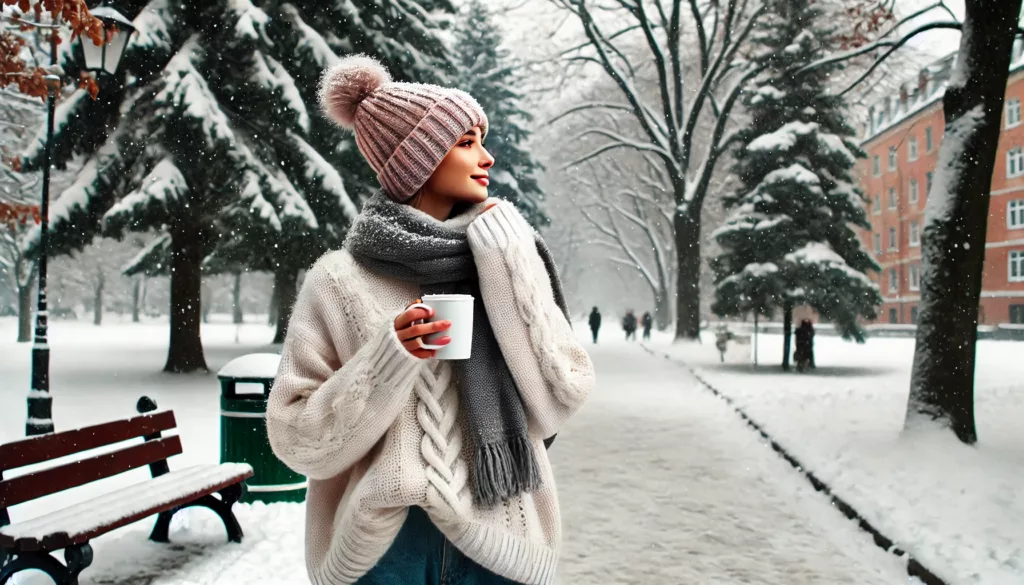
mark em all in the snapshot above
pixel 552 371
pixel 331 402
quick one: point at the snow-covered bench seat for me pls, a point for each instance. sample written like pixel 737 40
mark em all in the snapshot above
pixel 27 544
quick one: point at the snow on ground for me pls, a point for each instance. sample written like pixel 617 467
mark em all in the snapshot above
pixel 958 509
pixel 660 482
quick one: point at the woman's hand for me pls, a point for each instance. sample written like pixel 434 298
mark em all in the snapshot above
pixel 410 331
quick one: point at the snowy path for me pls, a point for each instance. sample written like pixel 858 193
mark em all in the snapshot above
pixel 660 483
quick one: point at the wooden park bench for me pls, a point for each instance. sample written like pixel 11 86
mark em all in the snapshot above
pixel 27 544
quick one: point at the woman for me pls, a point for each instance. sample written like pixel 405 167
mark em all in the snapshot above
pixel 425 471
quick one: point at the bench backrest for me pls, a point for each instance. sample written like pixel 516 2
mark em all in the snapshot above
pixel 42 448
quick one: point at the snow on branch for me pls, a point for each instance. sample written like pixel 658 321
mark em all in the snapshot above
pixel 151 27
pixel 185 88
pixel 162 191
pixel 252 21
pixel 278 77
pixel 153 255
pixel 318 170
pixel 786 137
pixel 590 106
pixel 822 255
pixel 309 39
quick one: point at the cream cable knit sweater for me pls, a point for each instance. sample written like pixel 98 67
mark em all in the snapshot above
pixel 378 430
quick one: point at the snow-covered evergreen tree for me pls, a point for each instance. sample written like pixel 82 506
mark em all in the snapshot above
pixel 491 74
pixel 789 240
pixel 211 149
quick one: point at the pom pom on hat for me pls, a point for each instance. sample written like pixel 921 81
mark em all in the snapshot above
pixel 345 85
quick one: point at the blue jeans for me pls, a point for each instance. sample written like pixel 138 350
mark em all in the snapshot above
pixel 421 555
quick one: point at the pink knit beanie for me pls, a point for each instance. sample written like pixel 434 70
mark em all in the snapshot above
pixel 402 129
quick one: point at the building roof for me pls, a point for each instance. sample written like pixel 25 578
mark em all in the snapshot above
pixel 917 94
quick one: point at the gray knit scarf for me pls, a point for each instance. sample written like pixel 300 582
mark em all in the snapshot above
pixel 392 240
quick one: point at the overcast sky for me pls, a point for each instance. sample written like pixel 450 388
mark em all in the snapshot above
pixel 937 42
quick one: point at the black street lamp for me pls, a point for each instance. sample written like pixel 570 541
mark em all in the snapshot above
pixel 117 31
pixel 99 59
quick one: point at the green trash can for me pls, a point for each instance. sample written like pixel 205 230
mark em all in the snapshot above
pixel 243 429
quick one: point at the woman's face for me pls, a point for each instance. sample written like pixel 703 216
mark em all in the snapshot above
pixel 462 176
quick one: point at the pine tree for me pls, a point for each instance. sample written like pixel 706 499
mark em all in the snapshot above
pixel 219 134
pixel 210 149
pixel 789 240
pixel 491 74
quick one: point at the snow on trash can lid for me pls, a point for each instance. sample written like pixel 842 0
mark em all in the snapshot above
pixel 253 365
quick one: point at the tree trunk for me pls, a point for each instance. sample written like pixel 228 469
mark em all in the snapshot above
pixel 97 299
pixel 284 290
pixel 956 217
pixel 25 313
pixel 136 298
pixel 272 309
pixel 185 353
pixel 662 308
pixel 787 333
pixel 687 230
pixel 237 317
pixel 145 292
pixel 206 297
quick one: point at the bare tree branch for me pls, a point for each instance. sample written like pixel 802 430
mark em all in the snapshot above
pixel 847 55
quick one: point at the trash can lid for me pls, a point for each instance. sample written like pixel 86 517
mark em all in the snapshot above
pixel 253 365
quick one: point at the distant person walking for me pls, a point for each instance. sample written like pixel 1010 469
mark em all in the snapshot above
pixel 804 353
pixel 629 324
pixel 722 337
pixel 646 322
pixel 595 322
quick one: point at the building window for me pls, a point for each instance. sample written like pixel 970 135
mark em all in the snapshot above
pixel 894 284
pixel 892 238
pixel 915 234
pixel 878 243
pixel 1016 268
pixel 912 149
pixel 1012 113
pixel 893 317
pixel 928 144
pixel 1015 214
pixel 913 315
pixel 892 158
pixel 1017 314
pixel 876 166
pixel 913 191
pixel 892 198
pixel 914 275
pixel 1015 162
pixel 877 207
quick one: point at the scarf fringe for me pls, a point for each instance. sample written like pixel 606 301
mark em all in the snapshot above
pixel 504 470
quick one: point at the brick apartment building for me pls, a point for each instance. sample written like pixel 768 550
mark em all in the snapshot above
pixel 902 139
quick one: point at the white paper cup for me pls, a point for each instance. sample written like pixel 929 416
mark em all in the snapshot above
pixel 459 310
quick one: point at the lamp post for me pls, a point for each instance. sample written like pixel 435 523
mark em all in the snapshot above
pixel 99 59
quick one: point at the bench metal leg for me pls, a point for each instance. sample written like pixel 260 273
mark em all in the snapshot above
pixel 162 526
pixel 77 557
pixel 221 507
